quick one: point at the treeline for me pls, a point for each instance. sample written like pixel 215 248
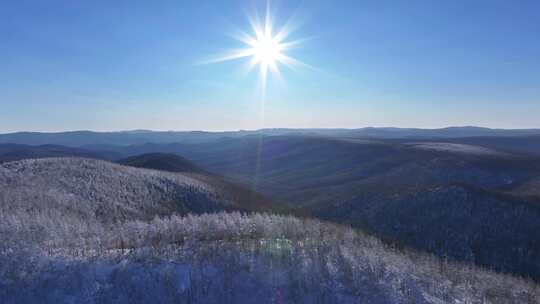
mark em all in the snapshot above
pixel 74 230
pixel 236 258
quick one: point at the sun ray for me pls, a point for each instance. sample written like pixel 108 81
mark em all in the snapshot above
pixel 230 56
pixel 265 46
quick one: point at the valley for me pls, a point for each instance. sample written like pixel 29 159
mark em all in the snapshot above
pixel 420 202
pixel 66 224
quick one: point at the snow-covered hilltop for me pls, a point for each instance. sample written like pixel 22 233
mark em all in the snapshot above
pixel 101 191
pixel 84 231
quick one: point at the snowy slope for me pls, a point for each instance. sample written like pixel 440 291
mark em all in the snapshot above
pixel 101 190
pixel 57 249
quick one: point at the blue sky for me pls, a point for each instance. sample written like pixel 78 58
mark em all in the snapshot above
pixel 118 65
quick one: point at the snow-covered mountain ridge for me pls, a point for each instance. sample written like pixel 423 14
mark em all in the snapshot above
pixel 57 249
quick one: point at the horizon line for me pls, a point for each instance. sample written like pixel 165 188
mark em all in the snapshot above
pixel 262 129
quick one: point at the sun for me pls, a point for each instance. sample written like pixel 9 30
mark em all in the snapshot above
pixel 265 48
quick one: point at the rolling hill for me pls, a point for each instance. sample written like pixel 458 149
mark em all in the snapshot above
pixel 78 230
pixel 245 196
pixel 138 137
pixel 460 222
pixel 455 200
pixel 103 192
pixel 308 170
pixel 13 152
pixel 99 190
pixel 161 161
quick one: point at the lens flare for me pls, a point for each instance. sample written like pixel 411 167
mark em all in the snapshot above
pixel 265 48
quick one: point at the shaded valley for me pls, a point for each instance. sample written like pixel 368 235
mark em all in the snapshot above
pixel 453 199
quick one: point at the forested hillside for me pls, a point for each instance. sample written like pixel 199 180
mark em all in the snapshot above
pixel 161 161
pixel 102 191
pixel 233 258
pixel 457 200
pixel 241 194
pixel 89 231
pixel 13 152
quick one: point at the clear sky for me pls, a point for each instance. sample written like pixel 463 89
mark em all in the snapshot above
pixel 118 65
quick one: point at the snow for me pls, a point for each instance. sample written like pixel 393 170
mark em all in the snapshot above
pixel 55 248
pixel 455 148
pixel 219 258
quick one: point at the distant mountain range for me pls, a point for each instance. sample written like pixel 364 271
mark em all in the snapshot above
pixel 455 199
pixel 13 152
pixel 474 199
pixel 80 138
